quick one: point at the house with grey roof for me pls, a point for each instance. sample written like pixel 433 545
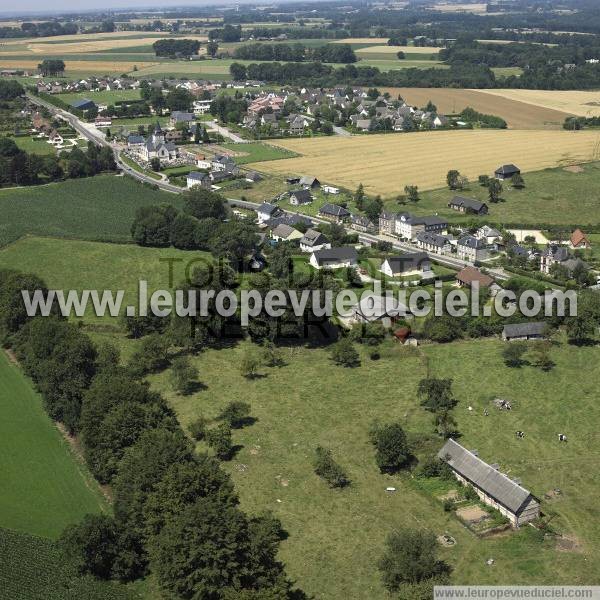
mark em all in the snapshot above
pixel 334 212
pixel 411 263
pixel 559 255
pixel 334 258
pixel 468 205
pixel 266 211
pixel 299 197
pixel 362 224
pixel 506 172
pixel 434 242
pixel 471 249
pixel 387 222
pixel 198 178
pixel 285 233
pixel 524 331
pixel 408 226
pixel 309 182
pixel 494 488
pixel 314 240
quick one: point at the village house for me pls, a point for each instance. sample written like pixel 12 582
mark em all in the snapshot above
pixel 524 331
pixel 408 226
pixel 559 255
pixel 471 249
pixel 433 242
pixel 334 258
pixel 578 239
pixel 362 224
pixel 267 211
pixel 299 197
pixel 488 235
pixel 201 107
pixel 506 172
pixel 494 488
pixel 135 142
pixel 314 240
pixel 181 117
pixel 468 205
pixel 470 276
pixel 334 212
pixel 414 263
pixel 285 233
pixel 387 223
pixel 197 178
pixel 222 162
pixel 372 308
pixel 309 183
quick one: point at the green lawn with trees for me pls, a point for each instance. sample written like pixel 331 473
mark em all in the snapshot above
pixel 274 467
pixel 44 486
pixel 560 196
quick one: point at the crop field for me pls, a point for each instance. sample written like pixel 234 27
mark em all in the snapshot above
pixel 517 114
pixel 79 265
pixel 573 102
pixel 32 568
pixel 336 537
pixel 97 208
pixel 476 8
pixel 552 197
pixel 98 67
pixel 393 50
pixel 387 163
pixel 44 487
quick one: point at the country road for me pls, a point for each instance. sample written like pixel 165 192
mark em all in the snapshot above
pixel 89 133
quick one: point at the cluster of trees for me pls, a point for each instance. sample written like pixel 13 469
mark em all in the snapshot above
pixel 437 398
pixel 43 29
pixel 176 47
pixel 333 53
pixel 576 123
pixel 227 34
pixel 18 167
pixel 10 90
pixel 176 513
pixel 229 109
pixel 50 67
pixel 470 115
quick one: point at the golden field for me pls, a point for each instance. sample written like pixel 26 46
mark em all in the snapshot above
pixel 384 164
pixel 582 104
pixel 373 40
pixel 393 50
pixel 78 37
pixel 477 9
pixel 83 47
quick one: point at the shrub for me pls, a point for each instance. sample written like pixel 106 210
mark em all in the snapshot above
pixel 326 467
pixel 198 428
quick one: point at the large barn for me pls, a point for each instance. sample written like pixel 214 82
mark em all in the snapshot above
pixel 495 489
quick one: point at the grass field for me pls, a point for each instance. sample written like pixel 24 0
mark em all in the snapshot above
pixel 518 115
pixel 337 537
pixel 44 488
pixel 583 104
pixel 552 196
pixel 34 145
pixel 97 208
pixel 386 163
pixel 393 50
pixel 256 152
pixel 79 265
pixel 104 97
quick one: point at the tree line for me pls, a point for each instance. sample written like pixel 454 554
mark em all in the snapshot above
pixel 333 53
pixel 18 167
pixel 176 513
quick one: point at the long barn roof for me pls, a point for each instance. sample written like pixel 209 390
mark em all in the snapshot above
pixel 495 484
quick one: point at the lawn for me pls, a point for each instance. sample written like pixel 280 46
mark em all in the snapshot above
pixel 34 145
pixel 96 208
pixel 44 487
pixel 552 197
pixel 335 538
pixel 256 152
pixel 80 265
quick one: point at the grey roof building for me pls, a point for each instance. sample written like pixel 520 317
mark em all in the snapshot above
pixel 493 487
pixel 468 205
pixel 524 331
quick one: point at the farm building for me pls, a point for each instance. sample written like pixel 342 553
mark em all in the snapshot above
pixel 406 264
pixel 579 240
pixel 495 489
pixel 310 183
pixel 298 197
pixel 506 172
pixel 524 331
pixel 468 205
pixel 334 258
pixel 84 104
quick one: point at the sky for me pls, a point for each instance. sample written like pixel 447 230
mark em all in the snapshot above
pixel 43 6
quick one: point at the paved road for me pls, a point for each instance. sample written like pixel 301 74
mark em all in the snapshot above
pixel 337 130
pixel 214 126
pixel 91 134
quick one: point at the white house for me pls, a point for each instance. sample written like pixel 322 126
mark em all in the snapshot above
pixel 196 178
pixel 406 264
pixel 201 107
pixel 313 240
pixel 334 258
pixel 266 211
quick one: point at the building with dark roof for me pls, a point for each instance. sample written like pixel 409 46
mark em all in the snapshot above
pixel 506 172
pixel 494 488
pixel 313 240
pixel 468 205
pixel 298 197
pixel 406 264
pixel 334 258
pixel 334 212
pixel 471 249
pixel 409 226
pixel 524 331
pixel 433 242
pixel 84 104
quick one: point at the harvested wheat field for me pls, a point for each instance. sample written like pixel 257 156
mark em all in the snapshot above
pixel 393 50
pixel 583 104
pixel 373 41
pixel 100 67
pixel 87 37
pixel 83 47
pixel 387 163
pixel 518 115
